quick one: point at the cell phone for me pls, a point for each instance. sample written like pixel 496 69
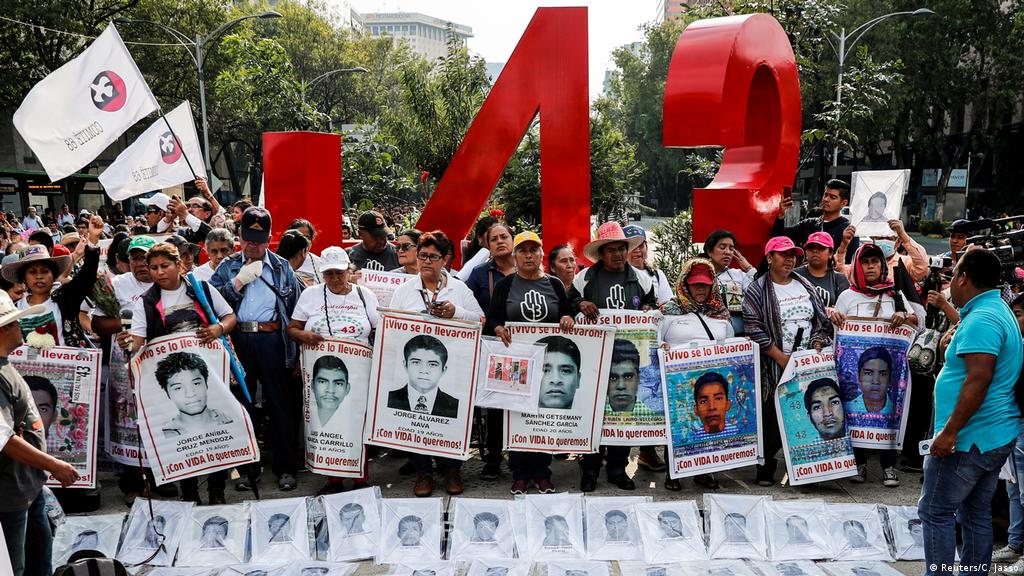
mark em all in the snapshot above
pixel 787 192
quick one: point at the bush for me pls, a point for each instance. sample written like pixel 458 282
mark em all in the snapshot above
pixel 933 227
pixel 674 244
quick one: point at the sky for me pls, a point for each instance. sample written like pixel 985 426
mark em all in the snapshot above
pixel 498 24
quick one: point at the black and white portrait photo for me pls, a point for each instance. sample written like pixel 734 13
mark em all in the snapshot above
pixel 183 377
pixel 280 530
pixel 319 569
pixel 858 533
pixel 499 567
pixel 799 530
pixel 553 526
pixel 577 568
pixel 481 529
pixel 411 530
pixel 160 532
pixel 670 531
pixel 425 360
pixel 637 568
pixel 330 387
pixel 791 568
pixel 738 526
pixel 612 528
pixel 214 536
pixel 556 532
pixel 100 532
pixel 907 532
pixel 353 523
pixel 485 526
pixel 876 196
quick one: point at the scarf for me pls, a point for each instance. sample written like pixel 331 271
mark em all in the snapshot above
pixel 684 302
pixel 884 285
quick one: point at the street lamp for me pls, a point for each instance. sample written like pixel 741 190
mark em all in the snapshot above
pixel 844 50
pixel 306 85
pixel 195 50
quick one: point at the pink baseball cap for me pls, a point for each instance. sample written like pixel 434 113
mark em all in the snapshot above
pixel 781 244
pixel 699 274
pixel 823 239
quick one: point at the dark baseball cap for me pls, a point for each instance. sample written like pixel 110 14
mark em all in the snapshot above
pixel 179 242
pixel 373 223
pixel 255 225
pixel 959 226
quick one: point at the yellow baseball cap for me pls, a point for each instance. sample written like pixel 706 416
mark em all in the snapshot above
pixel 525 237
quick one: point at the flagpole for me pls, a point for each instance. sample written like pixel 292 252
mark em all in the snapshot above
pixel 178 143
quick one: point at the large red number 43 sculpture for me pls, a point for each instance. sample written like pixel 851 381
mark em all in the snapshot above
pixel 732 82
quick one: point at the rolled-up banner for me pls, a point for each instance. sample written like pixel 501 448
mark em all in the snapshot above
pixel 422 384
pixel 382 284
pixel 190 422
pixel 634 409
pixel 65 384
pixel 572 393
pixel 335 377
pixel 121 418
pixel 874 378
pixel 812 421
pixel 712 406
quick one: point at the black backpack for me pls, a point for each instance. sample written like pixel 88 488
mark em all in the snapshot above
pixel 80 564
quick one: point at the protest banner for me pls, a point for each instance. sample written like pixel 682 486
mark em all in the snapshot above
pixel 876 196
pixel 481 528
pixel 572 392
pixel 809 406
pixel 874 379
pixel 634 411
pixel 382 284
pixel 65 384
pixel 121 422
pixel 422 384
pixel 612 529
pixel 190 423
pixel 94 532
pixel 335 377
pixel 509 377
pixel 154 532
pixel 214 536
pixel 712 406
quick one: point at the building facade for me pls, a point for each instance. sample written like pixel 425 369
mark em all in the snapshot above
pixel 424 34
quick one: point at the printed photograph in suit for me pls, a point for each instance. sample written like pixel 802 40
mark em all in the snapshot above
pixel 425 361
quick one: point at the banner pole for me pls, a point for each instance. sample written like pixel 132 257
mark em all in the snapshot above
pixel 178 143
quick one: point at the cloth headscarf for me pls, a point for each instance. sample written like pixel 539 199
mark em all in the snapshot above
pixel 684 303
pixel 884 285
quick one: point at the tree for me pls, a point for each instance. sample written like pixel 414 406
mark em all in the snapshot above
pixel 371 173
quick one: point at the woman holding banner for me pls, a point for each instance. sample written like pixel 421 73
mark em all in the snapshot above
pixel 405 245
pixel 697 313
pixel 781 313
pixel 336 308
pixel 528 295
pixel 873 294
pixel 170 307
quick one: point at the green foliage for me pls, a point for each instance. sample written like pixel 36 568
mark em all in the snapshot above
pixel 518 191
pixel 371 173
pixel 673 240
pixel 933 227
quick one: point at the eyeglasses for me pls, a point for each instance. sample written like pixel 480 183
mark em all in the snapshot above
pixel 405 246
pixel 424 257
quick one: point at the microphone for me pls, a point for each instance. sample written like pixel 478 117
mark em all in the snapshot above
pixel 126 325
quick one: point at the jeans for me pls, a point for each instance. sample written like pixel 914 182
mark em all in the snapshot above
pixel 29 539
pixel 1015 533
pixel 959 488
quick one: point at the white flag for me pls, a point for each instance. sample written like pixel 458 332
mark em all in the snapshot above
pixel 73 114
pixel 156 159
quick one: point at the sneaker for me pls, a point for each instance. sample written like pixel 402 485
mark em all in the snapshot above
pixel 1015 568
pixel 650 460
pixel 243 483
pixel 544 486
pixel 765 476
pixel 519 487
pixel 1005 555
pixel 490 471
pixel 861 476
pixel 287 483
pixel 889 478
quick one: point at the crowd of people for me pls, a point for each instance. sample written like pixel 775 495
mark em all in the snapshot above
pixel 811 278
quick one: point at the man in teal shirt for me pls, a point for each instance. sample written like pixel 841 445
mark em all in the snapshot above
pixel 976 419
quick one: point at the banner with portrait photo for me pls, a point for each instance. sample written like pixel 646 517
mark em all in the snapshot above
pixel 335 377
pixel 634 410
pixel 876 196
pixel 382 284
pixel 812 422
pixel 65 384
pixel 712 405
pixel 215 536
pixel 613 531
pixel 411 530
pixel 279 530
pixel 190 423
pixel 100 532
pixel 874 378
pixel 422 385
pixel 572 391
pixel 509 377
pixel 154 532
pixel 121 418
pixel 671 531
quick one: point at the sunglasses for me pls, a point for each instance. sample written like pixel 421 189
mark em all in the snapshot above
pixel 405 246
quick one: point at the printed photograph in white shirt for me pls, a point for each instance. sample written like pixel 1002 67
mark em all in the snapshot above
pixel 795 312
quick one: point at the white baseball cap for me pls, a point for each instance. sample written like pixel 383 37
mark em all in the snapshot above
pixel 160 200
pixel 334 258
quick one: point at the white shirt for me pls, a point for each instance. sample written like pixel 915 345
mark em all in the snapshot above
pixel 479 258
pixel 127 289
pixel 795 312
pixel 676 330
pixel 172 300
pixel 191 221
pixel 204 272
pixel 854 304
pixel 414 399
pixel 734 283
pixel 662 288
pixel 349 317
pixel 409 298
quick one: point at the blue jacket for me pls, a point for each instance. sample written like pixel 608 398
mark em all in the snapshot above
pixel 286 286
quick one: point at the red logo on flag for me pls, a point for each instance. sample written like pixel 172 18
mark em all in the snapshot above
pixel 108 93
pixel 170 148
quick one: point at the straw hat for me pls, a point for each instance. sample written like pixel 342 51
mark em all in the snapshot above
pixel 609 233
pixel 31 255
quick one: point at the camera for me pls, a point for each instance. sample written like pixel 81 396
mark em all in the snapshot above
pixel 1004 237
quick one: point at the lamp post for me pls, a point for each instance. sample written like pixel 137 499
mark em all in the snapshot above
pixel 846 43
pixel 195 50
pixel 306 85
